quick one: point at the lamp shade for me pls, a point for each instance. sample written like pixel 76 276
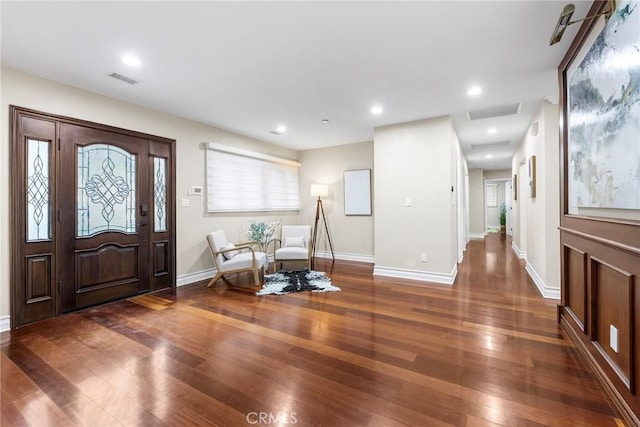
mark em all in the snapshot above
pixel 319 190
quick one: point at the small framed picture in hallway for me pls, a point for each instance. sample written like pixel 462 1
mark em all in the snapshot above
pixel 532 176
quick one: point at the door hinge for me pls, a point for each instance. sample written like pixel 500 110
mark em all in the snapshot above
pixel 59 216
pixel 58 144
pixel 59 286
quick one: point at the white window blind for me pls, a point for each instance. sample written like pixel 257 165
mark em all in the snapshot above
pixel 241 181
pixel 492 195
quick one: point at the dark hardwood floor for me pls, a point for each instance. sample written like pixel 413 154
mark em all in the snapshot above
pixel 382 352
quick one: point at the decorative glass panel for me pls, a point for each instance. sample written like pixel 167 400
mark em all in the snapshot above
pixel 106 190
pixel 160 194
pixel 38 189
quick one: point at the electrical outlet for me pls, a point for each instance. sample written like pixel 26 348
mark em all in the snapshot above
pixel 613 338
pixel 185 203
pixel 423 257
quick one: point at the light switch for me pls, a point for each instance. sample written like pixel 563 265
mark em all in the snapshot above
pixel 185 203
pixel 408 202
pixel 613 338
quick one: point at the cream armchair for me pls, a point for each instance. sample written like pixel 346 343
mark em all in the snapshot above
pixel 230 258
pixel 294 245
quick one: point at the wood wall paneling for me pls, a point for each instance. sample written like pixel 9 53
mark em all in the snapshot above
pixel 610 248
pixel 576 280
pixel 611 299
pixel 613 290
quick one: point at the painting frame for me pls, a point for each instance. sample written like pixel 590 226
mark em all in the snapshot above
pixel 357 192
pixel 583 188
pixel 532 176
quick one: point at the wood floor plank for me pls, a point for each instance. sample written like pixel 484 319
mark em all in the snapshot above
pixel 486 351
pixel 10 415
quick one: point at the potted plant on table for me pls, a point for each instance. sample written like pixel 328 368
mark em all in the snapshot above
pixel 503 221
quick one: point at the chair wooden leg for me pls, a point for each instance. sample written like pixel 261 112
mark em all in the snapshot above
pixel 212 281
pixel 256 277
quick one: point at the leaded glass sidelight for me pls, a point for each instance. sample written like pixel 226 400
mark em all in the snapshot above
pixel 160 194
pixel 106 190
pixel 38 191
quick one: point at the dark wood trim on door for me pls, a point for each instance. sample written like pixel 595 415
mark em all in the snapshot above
pixel 33 263
pixel 35 270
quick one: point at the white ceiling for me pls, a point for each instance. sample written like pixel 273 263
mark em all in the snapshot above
pixel 250 66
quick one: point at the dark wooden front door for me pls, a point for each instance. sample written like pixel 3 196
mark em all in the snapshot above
pixel 92 206
pixel 103 198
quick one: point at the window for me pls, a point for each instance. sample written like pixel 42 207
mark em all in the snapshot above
pixel 492 195
pixel 159 194
pixel 106 194
pixel 244 181
pixel 38 191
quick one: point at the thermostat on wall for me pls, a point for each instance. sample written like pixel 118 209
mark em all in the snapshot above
pixel 195 191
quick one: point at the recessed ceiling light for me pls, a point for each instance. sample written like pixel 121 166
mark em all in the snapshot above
pixel 492 130
pixel 131 60
pixel 488 156
pixel 474 91
pixel 325 121
pixel 281 129
pixel 376 109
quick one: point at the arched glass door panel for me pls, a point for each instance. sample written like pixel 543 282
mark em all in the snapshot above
pixel 106 190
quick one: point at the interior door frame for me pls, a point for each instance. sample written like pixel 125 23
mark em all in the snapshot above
pixel 18 203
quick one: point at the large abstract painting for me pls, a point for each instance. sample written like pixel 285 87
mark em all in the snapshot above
pixel 604 117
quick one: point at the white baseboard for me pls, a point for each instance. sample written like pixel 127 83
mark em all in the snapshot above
pixel 188 278
pixel 521 254
pixel 545 291
pixel 423 276
pixel 5 323
pixel 185 279
pixel 476 235
pixel 346 256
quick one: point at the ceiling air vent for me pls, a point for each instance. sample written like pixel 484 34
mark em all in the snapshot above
pixel 490 145
pixel 124 78
pixel 486 113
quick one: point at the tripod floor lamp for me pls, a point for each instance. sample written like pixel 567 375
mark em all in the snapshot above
pixel 320 190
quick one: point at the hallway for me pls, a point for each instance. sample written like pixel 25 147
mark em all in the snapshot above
pixel 486 351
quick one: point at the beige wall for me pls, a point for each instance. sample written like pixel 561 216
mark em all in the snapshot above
pixel 352 236
pixel 476 203
pixel 539 237
pixel 192 223
pixel 551 172
pixel 415 160
pixel 498 174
